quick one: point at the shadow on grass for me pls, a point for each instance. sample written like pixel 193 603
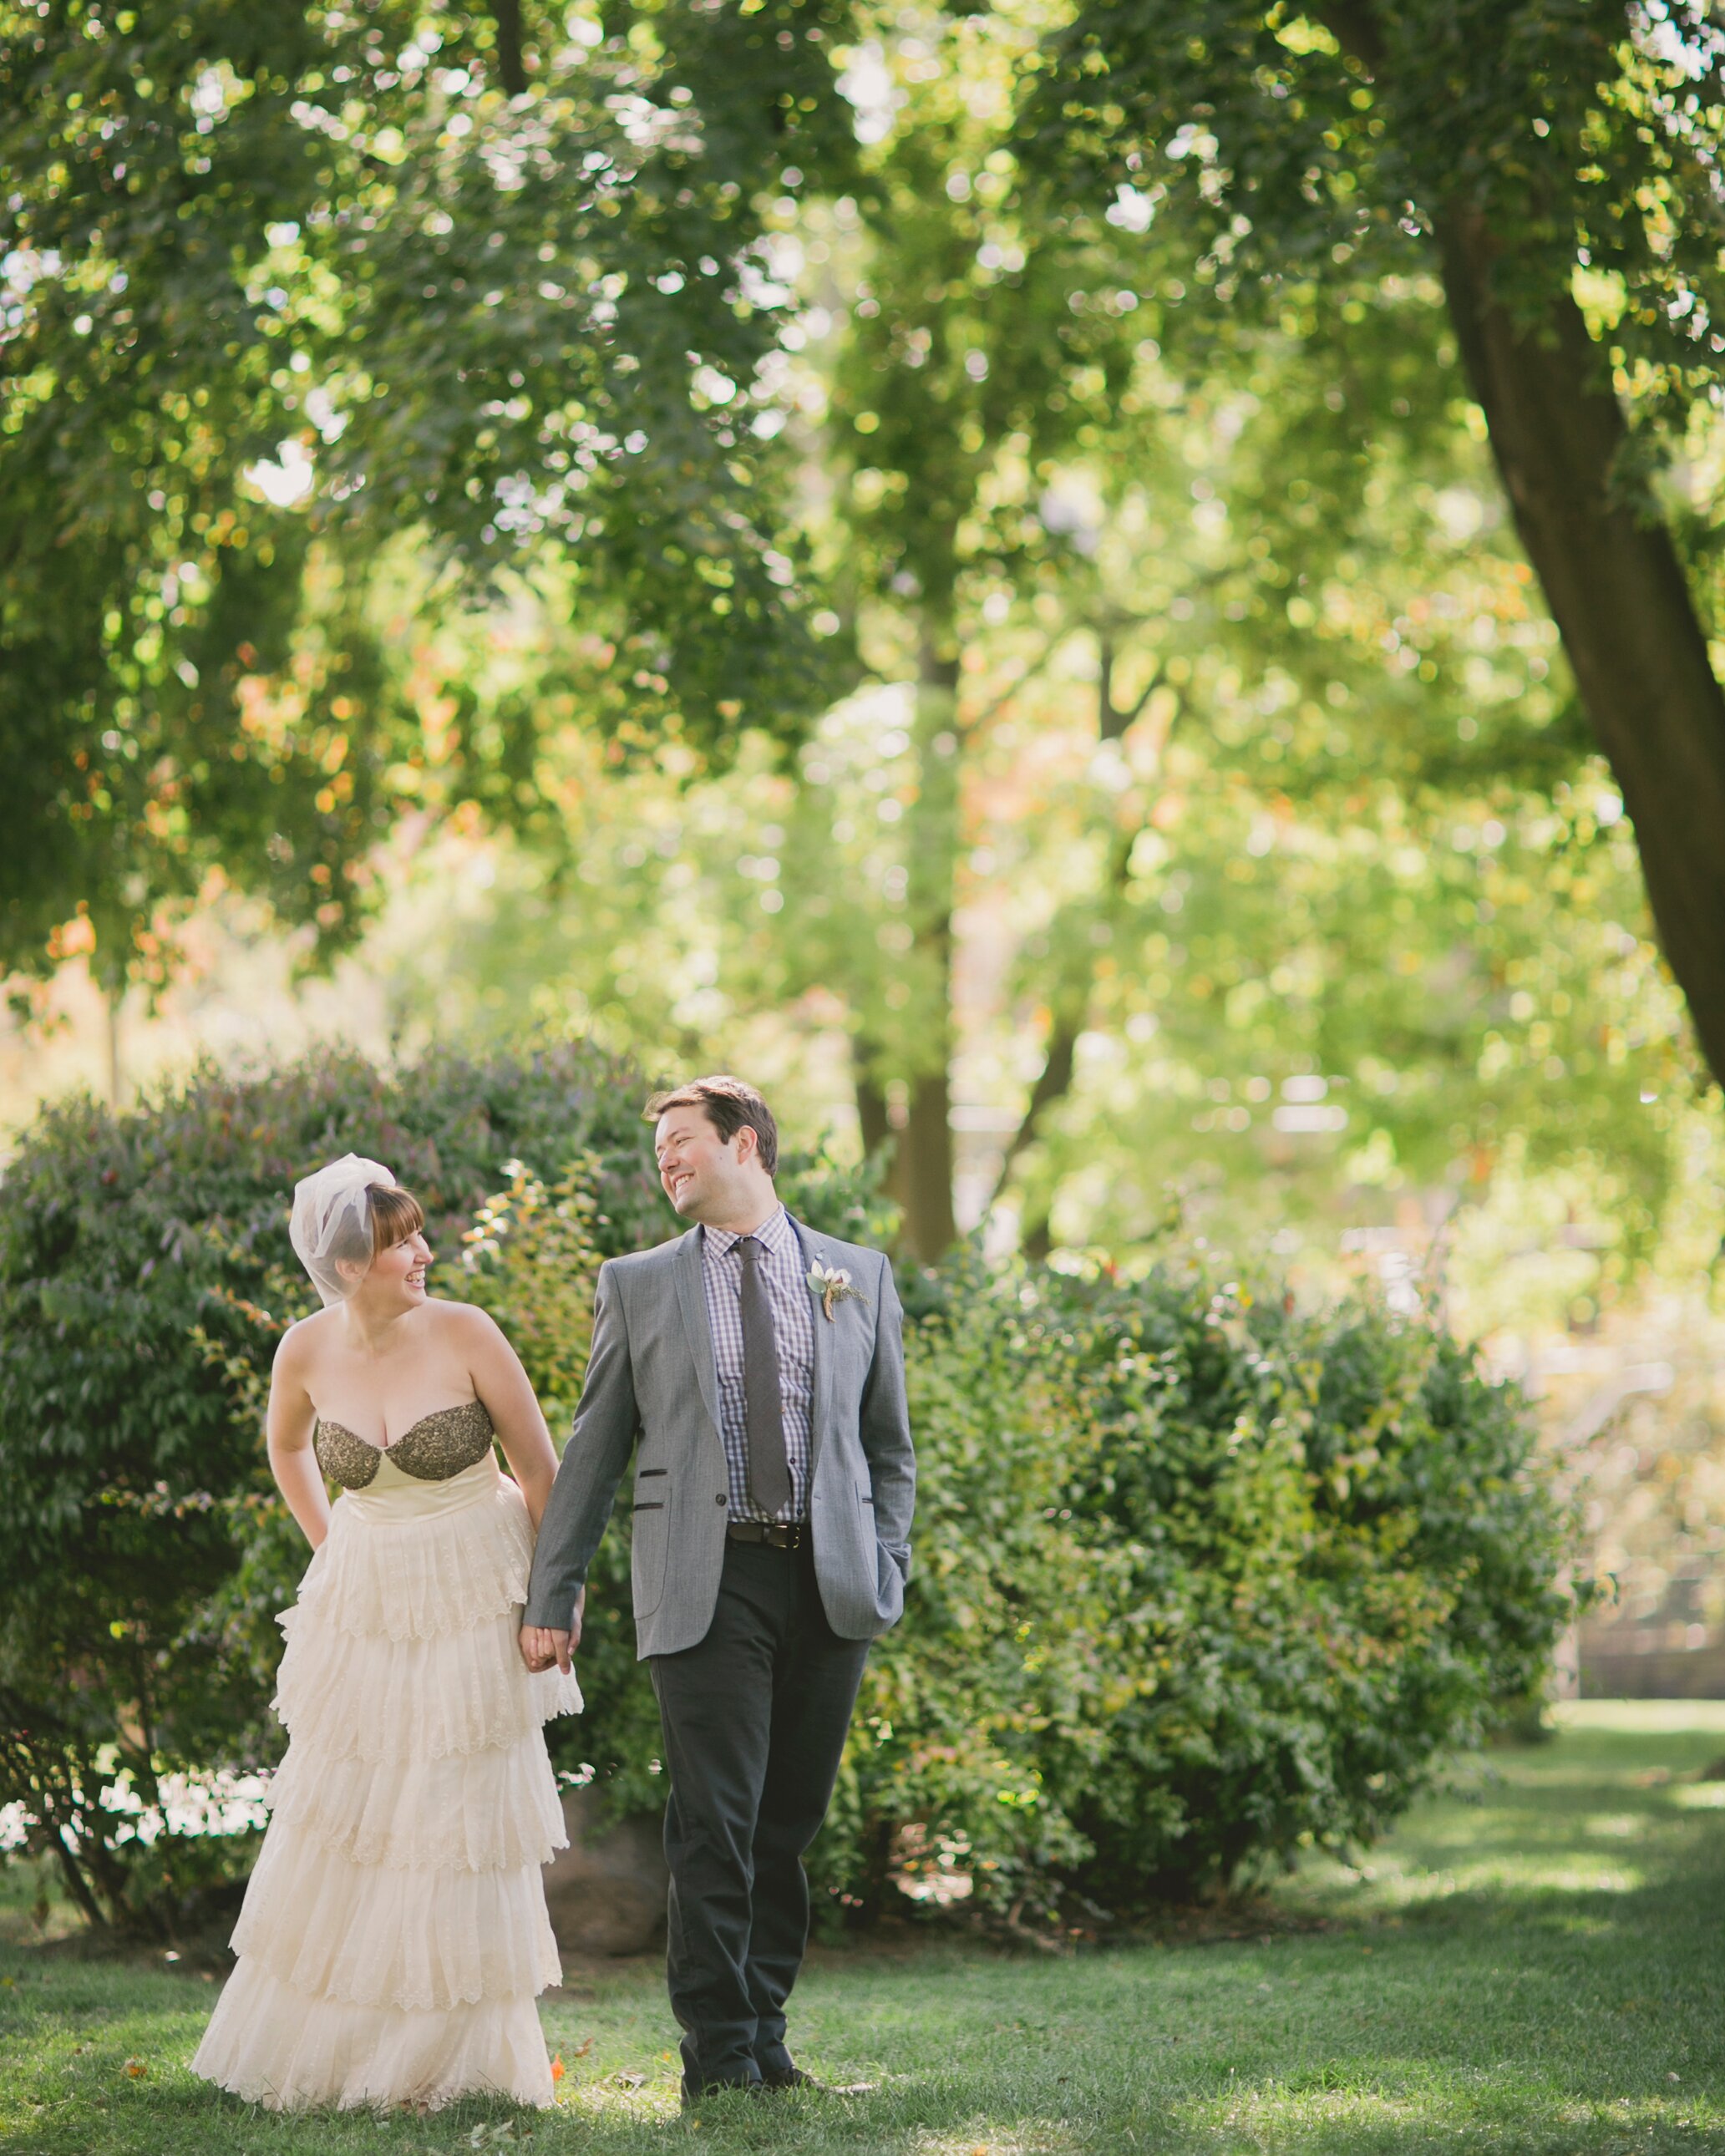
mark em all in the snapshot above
pixel 1535 1970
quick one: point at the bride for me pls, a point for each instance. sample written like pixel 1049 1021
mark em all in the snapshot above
pixel 394 1936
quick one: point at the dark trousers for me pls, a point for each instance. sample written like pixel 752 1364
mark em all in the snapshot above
pixel 754 1720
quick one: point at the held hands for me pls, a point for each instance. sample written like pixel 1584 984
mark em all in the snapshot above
pixel 543 1646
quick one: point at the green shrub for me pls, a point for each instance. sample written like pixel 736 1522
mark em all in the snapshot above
pixel 1199 1579
pixel 144 1277
pixel 1342 1548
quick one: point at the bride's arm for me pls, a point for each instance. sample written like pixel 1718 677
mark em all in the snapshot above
pixel 503 1385
pixel 292 1461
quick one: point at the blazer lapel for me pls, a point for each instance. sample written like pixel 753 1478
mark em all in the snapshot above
pixel 691 1301
pixel 821 1399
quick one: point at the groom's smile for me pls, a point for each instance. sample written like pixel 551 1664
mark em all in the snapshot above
pixel 708 1177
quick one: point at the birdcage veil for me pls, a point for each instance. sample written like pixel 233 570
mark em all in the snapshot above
pixel 332 1219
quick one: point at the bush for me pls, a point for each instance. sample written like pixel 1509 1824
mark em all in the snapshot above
pixel 144 1277
pixel 1199 1579
pixel 1342 1548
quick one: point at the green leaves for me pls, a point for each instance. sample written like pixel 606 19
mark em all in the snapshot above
pixel 1198 1578
pixel 1323 144
pixel 1199 1581
pixel 145 1280
pixel 313 272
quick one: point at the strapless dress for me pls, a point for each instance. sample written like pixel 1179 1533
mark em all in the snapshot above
pixel 393 1939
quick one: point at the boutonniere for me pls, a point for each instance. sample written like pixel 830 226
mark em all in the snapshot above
pixel 833 1283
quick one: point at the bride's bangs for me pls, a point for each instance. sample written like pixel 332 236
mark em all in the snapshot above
pixel 396 1215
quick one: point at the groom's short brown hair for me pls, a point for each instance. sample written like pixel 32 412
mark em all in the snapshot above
pixel 729 1104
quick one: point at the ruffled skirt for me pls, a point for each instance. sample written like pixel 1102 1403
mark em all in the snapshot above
pixel 394 1936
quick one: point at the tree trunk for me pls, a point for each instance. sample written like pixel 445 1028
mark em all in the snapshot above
pixel 924 1180
pixel 923 1177
pixel 1053 1083
pixel 112 999
pixel 871 1114
pixel 1615 587
pixel 511 69
pixel 1620 600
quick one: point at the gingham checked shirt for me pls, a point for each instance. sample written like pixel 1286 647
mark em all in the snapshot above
pixel 782 1271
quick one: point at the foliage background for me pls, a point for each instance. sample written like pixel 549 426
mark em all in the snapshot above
pixel 1199 1580
pixel 959 563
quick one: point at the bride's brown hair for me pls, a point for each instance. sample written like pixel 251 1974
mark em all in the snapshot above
pixel 396 1215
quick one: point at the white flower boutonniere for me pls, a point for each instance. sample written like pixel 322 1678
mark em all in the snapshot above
pixel 833 1283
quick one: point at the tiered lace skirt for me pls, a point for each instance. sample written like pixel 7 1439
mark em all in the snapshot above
pixel 394 1937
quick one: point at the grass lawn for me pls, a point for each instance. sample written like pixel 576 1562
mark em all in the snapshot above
pixel 1534 1966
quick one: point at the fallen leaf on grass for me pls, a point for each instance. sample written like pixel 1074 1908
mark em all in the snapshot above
pixel 557 2067
pixel 582 2049
pixel 137 2069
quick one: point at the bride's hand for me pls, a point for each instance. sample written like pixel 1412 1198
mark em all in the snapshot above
pixel 543 1648
pixel 543 1645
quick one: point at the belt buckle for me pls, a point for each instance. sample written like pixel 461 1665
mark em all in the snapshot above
pixel 769 1534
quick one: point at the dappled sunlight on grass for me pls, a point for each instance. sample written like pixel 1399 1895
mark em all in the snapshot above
pixel 1699 1796
pixel 1497 1978
pixel 1388 1886
pixel 1038 2138
pixel 1640 1718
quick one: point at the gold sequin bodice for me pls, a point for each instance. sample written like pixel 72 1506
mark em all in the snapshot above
pixel 438 1447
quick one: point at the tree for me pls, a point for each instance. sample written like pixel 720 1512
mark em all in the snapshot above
pixel 967 358
pixel 1236 632
pixel 1348 839
pixel 1550 162
pixel 283 285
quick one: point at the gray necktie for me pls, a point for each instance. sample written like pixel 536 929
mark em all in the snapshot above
pixel 764 1410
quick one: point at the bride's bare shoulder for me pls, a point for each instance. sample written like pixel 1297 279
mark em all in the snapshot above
pixel 463 1322
pixel 298 1346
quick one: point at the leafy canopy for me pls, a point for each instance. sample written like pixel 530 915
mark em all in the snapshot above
pixel 281 285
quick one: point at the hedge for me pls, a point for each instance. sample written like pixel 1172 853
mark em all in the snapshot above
pixel 1200 1578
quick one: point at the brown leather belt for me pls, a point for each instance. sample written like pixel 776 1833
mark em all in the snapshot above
pixel 776 1534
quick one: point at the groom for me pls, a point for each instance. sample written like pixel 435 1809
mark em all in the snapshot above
pixel 760 1367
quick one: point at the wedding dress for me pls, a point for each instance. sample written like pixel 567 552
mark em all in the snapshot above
pixel 394 1938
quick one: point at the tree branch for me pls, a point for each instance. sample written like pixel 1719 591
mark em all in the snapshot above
pixel 1060 1058
pixel 975 725
pixel 1112 721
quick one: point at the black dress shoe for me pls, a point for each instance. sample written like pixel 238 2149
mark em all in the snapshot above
pixel 694 2095
pixel 793 2077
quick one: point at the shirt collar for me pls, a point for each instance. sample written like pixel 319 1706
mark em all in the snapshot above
pixel 774 1232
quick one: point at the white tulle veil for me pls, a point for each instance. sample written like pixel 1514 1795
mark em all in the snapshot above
pixel 332 1219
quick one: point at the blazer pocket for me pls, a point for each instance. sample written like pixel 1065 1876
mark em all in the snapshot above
pixel 649 1539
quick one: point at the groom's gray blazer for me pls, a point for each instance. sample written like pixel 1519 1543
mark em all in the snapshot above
pixel 651 1374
